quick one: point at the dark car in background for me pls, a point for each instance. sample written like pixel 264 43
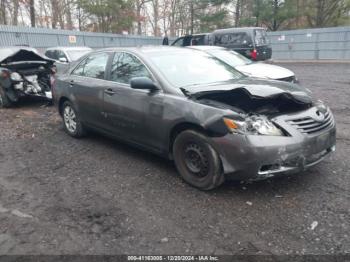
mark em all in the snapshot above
pixel 23 72
pixel 191 107
pixel 196 39
pixel 252 42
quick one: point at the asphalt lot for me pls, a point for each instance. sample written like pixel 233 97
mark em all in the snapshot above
pixel 60 195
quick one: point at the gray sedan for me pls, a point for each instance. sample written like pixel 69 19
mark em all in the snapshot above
pixel 191 107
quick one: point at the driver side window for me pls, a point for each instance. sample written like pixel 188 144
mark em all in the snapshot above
pixel 126 66
pixel 93 66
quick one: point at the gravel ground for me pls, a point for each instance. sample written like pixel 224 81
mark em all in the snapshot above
pixel 60 195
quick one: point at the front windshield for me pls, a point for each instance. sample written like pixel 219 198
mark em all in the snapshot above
pixel 230 57
pixel 191 67
pixel 76 54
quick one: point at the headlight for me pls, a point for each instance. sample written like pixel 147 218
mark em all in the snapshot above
pixel 16 77
pixel 253 125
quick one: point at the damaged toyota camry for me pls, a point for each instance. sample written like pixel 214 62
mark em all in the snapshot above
pixel 23 72
pixel 188 106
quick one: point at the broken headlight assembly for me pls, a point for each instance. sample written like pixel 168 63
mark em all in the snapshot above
pixel 16 77
pixel 253 125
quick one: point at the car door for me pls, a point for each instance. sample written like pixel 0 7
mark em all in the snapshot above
pixel 88 83
pixel 129 111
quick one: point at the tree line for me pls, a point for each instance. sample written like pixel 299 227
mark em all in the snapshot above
pixel 174 17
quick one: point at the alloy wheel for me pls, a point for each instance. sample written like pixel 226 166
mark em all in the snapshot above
pixel 70 119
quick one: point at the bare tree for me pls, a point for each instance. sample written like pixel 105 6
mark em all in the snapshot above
pixel 237 12
pixel 68 13
pixel 32 12
pixel 3 12
pixel 153 17
pixel 155 5
pixel 140 4
pixel 15 12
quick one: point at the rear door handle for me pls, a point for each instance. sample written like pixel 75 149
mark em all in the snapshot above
pixel 110 92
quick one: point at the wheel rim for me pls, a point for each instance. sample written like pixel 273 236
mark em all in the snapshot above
pixel 70 119
pixel 196 160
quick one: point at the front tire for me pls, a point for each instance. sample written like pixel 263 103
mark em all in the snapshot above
pixel 4 100
pixel 197 161
pixel 71 121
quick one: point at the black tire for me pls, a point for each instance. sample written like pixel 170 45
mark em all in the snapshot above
pixel 4 100
pixel 197 161
pixel 71 122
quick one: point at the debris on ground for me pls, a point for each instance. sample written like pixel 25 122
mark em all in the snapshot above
pixel 314 225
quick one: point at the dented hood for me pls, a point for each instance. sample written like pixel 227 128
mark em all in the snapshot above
pixel 255 87
pixel 14 56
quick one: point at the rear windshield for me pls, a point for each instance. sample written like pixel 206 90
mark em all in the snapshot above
pixel 260 37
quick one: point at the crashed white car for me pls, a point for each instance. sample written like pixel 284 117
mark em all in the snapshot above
pixel 248 67
pixel 23 72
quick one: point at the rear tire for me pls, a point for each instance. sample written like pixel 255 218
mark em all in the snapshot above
pixel 71 121
pixel 197 161
pixel 4 100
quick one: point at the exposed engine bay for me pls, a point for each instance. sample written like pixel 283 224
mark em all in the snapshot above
pixel 26 73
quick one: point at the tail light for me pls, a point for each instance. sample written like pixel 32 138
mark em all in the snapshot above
pixel 254 54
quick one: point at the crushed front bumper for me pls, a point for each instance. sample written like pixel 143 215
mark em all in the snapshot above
pixel 255 157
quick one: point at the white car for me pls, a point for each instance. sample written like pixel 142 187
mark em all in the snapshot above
pixel 248 67
pixel 67 54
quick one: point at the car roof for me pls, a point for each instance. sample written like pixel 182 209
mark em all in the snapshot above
pixel 148 50
pixel 143 49
pixel 206 47
pixel 69 48
pixel 238 29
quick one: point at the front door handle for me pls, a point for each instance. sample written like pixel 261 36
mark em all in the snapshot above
pixel 110 92
pixel 71 83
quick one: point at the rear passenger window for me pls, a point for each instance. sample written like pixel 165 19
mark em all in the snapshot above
pixel 125 67
pixel 233 39
pixel 93 66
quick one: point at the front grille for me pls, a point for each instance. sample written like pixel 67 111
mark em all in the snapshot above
pixel 290 79
pixel 308 125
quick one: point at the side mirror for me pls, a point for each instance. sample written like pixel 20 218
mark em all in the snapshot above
pixel 63 60
pixel 143 83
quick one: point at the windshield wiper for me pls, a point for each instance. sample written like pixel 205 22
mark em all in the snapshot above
pixel 185 92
